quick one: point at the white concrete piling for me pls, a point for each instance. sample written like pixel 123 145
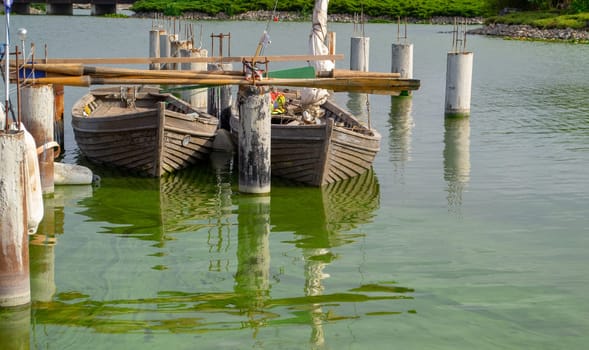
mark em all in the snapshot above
pixel 165 48
pixel 458 84
pixel 176 47
pixel 37 112
pixel 196 97
pixel 360 53
pixel 220 98
pixel 154 47
pixel 15 288
pixel 402 60
pixel 254 140
pixel 458 74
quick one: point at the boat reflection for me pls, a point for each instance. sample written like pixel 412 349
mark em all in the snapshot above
pixel 456 160
pixel 149 209
pixel 196 301
pixel 400 130
pixel 322 220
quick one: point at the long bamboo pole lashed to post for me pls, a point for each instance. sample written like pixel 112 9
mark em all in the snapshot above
pixel 383 85
pixel 210 59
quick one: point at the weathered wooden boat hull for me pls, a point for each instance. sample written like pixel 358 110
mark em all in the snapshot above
pixel 321 154
pixel 160 134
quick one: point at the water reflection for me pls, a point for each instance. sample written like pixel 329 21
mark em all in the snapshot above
pixel 456 160
pixel 400 129
pixel 149 209
pixel 318 219
pixel 252 279
pixel 15 328
pixel 42 244
pixel 359 105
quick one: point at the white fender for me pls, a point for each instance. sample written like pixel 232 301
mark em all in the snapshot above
pixel 71 174
pixel 34 191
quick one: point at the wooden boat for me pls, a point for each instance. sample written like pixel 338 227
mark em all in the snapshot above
pixel 337 148
pixel 141 130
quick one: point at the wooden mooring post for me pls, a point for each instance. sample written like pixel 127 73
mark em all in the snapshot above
pixel 254 139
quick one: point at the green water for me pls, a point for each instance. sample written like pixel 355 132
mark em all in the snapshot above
pixel 468 233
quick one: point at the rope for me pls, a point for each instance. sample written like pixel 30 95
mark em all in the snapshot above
pixel 267 30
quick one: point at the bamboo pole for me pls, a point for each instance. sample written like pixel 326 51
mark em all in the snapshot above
pixel 368 85
pixel 79 69
pixel 218 59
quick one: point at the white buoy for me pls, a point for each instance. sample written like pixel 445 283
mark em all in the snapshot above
pixel 33 189
pixel 72 174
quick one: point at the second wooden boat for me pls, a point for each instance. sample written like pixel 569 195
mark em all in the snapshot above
pixel 334 147
pixel 141 130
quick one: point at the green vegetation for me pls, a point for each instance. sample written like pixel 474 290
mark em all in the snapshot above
pixel 539 13
pixel 544 19
pixel 39 6
pixel 420 9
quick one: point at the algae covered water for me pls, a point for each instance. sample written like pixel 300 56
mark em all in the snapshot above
pixel 467 233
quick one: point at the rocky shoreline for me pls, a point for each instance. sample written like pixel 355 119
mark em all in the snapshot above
pixel 298 17
pixel 520 32
pixel 526 32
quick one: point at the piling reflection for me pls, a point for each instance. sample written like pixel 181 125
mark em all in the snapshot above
pixel 42 244
pixel 359 105
pixel 400 130
pixel 456 160
pixel 252 278
pixel 15 328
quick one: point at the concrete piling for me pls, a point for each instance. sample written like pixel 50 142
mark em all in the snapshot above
pixel 15 286
pixel 38 115
pixel 402 60
pixel 458 84
pixel 360 53
pixel 220 98
pixel 165 47
pixel 458 75
pixel 254 140
pixel 196 97
pixel 154 47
